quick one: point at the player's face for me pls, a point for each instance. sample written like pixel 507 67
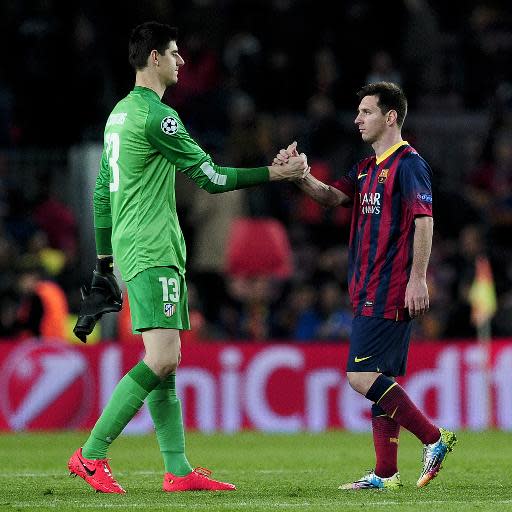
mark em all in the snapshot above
pixel 170 63
pixel 370 120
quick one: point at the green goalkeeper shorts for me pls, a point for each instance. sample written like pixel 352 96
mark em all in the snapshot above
pixel 158 299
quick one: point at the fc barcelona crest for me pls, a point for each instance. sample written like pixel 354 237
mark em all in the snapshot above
pixel 383 176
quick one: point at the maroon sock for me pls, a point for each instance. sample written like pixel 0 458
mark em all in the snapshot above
pixel 385 441
pixel 400 408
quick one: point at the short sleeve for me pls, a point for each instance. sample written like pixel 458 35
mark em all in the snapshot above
pixel 416 185
pixel 347 183
pixel 166 133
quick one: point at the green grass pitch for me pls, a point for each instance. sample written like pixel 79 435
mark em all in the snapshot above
pixel 272 472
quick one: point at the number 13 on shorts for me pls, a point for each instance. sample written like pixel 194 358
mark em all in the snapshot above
pixel 170 289
pixel 158 299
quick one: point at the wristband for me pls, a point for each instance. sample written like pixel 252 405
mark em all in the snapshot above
pixel 105 265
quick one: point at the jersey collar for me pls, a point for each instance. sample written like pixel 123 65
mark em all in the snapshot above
pixel 390 151
pixel 146 90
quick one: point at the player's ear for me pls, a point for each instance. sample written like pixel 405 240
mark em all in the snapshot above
pixel 391 117
pixel 153 58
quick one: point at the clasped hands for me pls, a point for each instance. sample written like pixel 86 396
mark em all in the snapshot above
pixel 288 164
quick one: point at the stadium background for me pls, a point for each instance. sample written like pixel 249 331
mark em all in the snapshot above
pixel 257 76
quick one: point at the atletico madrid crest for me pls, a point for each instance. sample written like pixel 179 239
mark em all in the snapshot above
pixel 383 176
pixel 169 309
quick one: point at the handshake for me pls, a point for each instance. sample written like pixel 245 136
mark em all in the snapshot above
pixel 289 165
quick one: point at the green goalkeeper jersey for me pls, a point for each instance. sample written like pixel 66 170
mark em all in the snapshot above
pixel 145 143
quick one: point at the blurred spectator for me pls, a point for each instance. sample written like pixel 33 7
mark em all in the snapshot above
pixel 326 138
pixel 471 245
pixel 196 98
pixel 490 184
pixel 487 51
pixel 213 216
pixel 244 60
pixel 43 310
pixel 250 313
pixel 330 320
pixel 299 302
pixel 38 251
pixel 56 219
pixel 88 63
pixel 482 298
pixel 422 49
pixel 382 69
pixel 249 142
pixel 200 328
pixel 18 226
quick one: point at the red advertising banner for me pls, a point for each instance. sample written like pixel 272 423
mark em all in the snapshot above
pixel 272 387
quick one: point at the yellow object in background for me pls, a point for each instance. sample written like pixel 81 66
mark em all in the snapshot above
pixel 92 339
pixel 482 294
pixel 52 260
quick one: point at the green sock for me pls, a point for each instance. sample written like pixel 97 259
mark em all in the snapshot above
pixel 126 400
pixel 165 409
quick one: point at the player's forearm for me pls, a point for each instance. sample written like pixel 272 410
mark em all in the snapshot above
pixel 216 179
pixel 102 226
pixel 321 192
pixel 102 214
pixel 103 238
pixel 424 229
pixel 252 176
pixel 101 200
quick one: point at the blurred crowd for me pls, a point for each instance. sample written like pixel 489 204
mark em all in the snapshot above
pixel 258 75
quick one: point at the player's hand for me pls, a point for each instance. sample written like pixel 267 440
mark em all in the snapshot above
pixel 104 296
pixel 284 154
pixel 307 170
pixel 416 297
pixel 295 169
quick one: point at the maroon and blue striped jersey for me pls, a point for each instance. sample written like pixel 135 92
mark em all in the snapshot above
pixel 387 194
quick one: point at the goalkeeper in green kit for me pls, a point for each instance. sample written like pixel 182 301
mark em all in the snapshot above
pixel 145 143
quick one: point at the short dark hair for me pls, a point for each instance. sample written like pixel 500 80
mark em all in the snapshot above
pixel 390 97
pixel 147 37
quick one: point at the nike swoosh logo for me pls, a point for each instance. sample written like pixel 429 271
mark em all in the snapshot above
pixel 362 176
pixel 359 359
pixel 87 470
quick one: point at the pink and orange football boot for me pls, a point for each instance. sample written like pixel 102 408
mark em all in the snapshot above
pixel 96 473
pixel 198 480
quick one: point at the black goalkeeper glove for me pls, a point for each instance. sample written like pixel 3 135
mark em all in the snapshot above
pixel 104 296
